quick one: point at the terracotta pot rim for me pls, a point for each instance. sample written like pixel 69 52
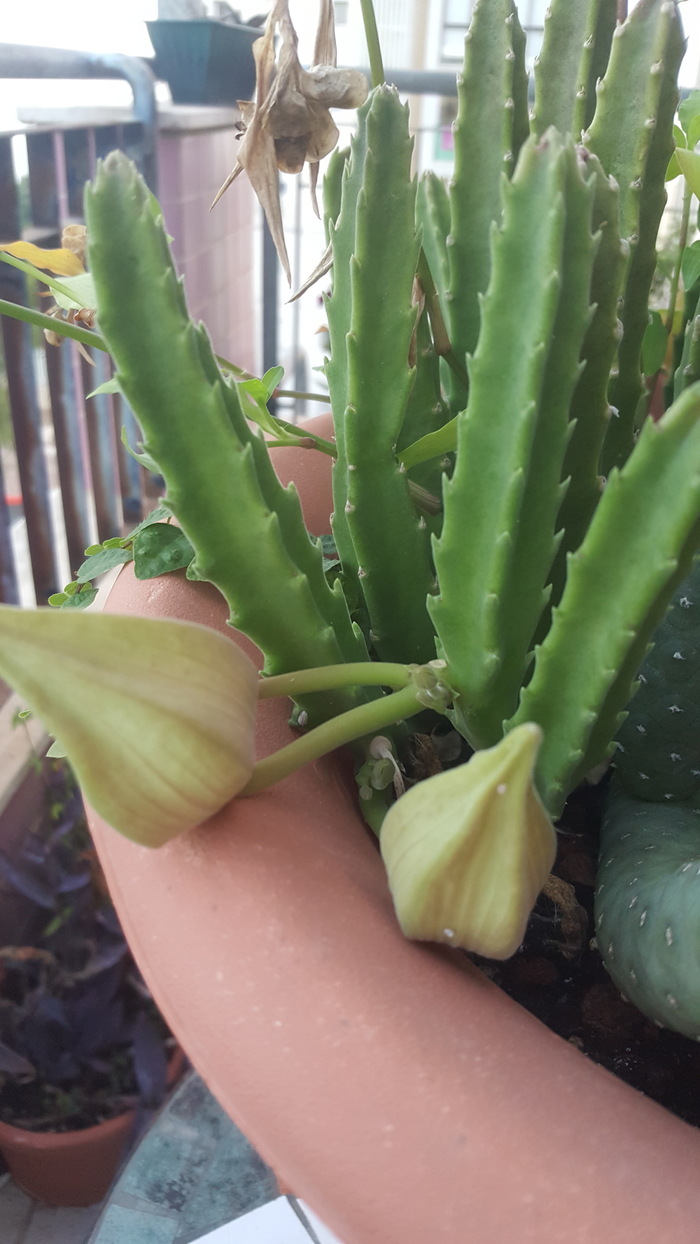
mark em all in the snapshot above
pixel 24 1136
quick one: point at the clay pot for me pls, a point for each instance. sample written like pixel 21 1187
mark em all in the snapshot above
pixel 68 1168
pixel 390 1084
pixel 73 1168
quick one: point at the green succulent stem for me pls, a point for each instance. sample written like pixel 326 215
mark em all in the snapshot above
pixel 63 327
pixel 364 720
pixel 376 62
pixel 327 677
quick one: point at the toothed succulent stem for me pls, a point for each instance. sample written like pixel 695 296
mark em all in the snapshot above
pixel 378 532
pixel 647 518
pixel 213 465
pixel 475 613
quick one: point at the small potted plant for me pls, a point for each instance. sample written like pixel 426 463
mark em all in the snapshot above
pixel 82 1048
pixel 508 530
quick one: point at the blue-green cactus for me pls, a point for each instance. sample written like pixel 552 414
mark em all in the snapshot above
pixel 647 908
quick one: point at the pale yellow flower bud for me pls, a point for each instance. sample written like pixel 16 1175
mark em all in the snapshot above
pixel 156 717
pixel 468 851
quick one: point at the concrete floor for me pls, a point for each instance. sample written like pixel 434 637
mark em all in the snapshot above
pixel 24 1221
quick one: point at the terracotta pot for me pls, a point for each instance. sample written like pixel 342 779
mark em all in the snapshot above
pixel 391 1085
pixel 73 1168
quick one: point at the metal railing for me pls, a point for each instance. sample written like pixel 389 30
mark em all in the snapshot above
pixel 75 480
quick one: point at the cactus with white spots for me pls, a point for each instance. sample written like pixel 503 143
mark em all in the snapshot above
pixel 647 908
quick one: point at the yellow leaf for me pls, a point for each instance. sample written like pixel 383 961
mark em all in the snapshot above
pixel 62 262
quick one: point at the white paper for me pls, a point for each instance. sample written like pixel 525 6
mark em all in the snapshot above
pixel 323 1234
pixel 274 1223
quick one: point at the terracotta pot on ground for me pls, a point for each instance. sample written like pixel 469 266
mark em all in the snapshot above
pixel 390 1084
pixel 73 1168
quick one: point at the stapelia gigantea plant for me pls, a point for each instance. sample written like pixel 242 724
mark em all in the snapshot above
pixel 510 526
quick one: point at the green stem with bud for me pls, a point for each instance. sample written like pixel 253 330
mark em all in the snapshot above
pixel 363 720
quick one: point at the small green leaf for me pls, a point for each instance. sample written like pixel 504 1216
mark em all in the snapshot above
pixel 689 162
pixel 57 598
pixel 160 514
pixel 143 458
pixel 689 114
pixel 654 345
pixel 71 588
pixel 114 542
pixel 81 600
pixel 690 265
pixel 255 389
pixel 81 292
pixel 271 379
pixel 56 751
pixel 673 169
pixel 102 561
pixel 109 386
pixel 92 549
pixel 159 549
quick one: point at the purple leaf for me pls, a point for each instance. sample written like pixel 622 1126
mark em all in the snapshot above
pixel 13 1064
pixel 22 880
pixel 150 1061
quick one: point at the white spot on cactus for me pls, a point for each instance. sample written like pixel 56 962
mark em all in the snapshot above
pixel 685 867
pixel 672 1002
pixel 641 729
pixel 449 932
pixel 676 756
pixel 589 42
pixel 669 936
pixel 634 902
pixel 349 507
pixel 633 976
pixel 361 574
pixel 611 953
pixel 685 602
pixel 642 679
pixel 303 719
pixel 644 776
pixel 675 709
pixel 352 466
pixel 678 656
pixel 643 918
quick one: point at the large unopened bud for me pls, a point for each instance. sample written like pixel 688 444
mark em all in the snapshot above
pixel 156 717
pixel 468 851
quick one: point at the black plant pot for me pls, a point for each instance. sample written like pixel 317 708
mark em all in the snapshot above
pixel 204 62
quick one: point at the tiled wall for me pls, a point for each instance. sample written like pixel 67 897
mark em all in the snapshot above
pixel 216 251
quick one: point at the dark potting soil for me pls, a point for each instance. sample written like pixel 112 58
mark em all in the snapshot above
pixel 559 976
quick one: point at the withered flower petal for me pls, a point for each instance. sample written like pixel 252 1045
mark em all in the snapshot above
pixel 289 123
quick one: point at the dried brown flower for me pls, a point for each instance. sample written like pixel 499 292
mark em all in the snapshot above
pixel 289 123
